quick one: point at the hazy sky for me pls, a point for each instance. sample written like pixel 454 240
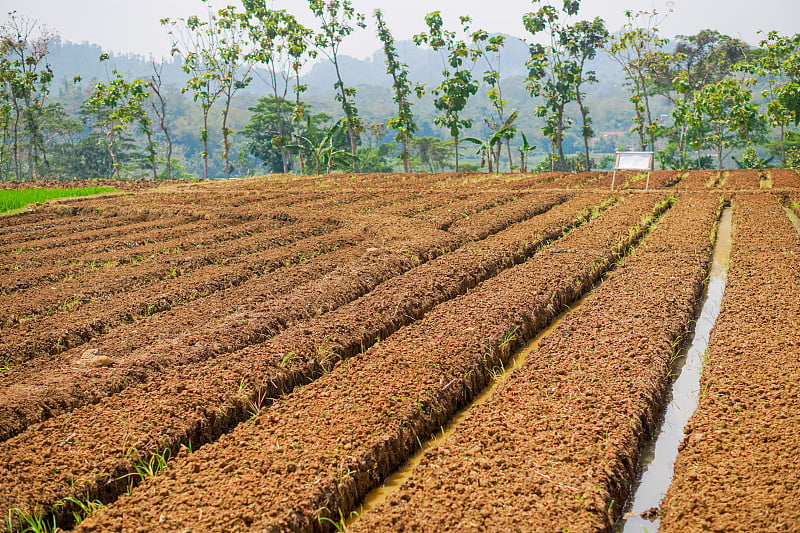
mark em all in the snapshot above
pixel 132 26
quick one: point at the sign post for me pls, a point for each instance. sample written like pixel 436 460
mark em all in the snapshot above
pixel 633 161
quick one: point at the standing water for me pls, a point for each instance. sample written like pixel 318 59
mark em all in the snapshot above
pixel 658 459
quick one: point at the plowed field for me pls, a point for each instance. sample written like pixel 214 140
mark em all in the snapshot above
pixel 259 355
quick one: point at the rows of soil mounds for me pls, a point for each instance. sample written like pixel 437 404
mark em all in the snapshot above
pixel 370 410
pixel 250 301
pixel 737 469
pixel 218 401
pixel 341 319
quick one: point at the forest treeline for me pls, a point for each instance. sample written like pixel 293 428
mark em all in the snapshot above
pixel 697 101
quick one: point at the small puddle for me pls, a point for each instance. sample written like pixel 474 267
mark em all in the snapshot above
pixel 658 458
pixel 379 495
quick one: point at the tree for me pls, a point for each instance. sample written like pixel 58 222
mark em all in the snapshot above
pixel 116 104
pixel 159 104
pixel 280 47
pixel 491 76
pixel 696 61
pixel 551 72
pixel 635 48
pixel 266 130
pixel 779 65
pixel 728 108
pixel 217 64
pixel 324 146
pixel 431 152
pixel 403 122
pixel 524 150
pixel 25 78
pixel 457 84
pixel 489 149
pixel 582 41
pixel 338 19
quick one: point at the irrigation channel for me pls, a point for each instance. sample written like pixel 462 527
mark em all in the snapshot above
pixel 658 457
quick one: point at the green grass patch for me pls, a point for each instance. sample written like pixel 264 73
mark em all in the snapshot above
pixel 17 199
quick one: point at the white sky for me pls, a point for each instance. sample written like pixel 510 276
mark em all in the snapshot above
pixel 132 26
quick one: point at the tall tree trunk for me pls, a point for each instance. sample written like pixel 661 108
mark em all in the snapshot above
pixel 455 143
pixel 151 148
pixel 510 159
pixel 204 134
pixel 112 153
pixel 226 144
pixel 559 138
pixel 297 122
pixel 405 155
pixel 349 115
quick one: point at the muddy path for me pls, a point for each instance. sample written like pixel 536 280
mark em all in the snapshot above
pixel 737 467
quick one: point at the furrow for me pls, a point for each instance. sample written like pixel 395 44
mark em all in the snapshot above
pixel 737 466
pixel 555 447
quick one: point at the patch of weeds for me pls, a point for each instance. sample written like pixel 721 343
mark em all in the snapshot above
pixel 87 507
pixel 19 521
pixel 152 467
pixel 509 337
pixel 290 359
pixel 497 372
pixel 7 363
pixel 326 353
pixel 419 404
pixel 72 302
pixel 253 398
pixel 338 525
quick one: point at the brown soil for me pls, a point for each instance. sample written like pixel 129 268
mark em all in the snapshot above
pixel 406 386
pixel 304 336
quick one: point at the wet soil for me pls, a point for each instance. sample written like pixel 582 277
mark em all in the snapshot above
pixel 737 468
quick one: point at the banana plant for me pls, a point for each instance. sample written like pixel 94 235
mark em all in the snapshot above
pixel 489 149
pixel 523 153
pixel 323 146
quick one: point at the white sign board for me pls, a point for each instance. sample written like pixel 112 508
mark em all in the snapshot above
pixel 633 161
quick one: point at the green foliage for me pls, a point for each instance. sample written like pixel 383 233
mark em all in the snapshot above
pixel 337 20
pixel 218 66
pixel 25 82
pixel 11 200
pixel 116 104
pixel 324 147
pixel 269 131
pixel 778 64
pixel 403 122
pixel 635 48
pixel 20 521
pixel 728 108
pixel 488 148
pixel 457 84
pixel 432 153
pixel 557 71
